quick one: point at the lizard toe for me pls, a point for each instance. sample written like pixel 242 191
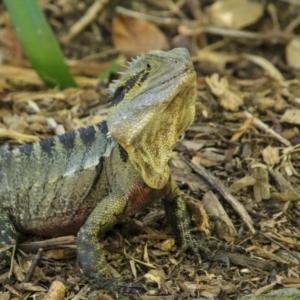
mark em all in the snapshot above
pixel 117 285
pixel 192 244
pixel 131 287
pixel 223 259
pixel 205 246
pixel 212 244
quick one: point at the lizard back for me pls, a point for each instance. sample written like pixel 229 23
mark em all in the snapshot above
pixel 50 179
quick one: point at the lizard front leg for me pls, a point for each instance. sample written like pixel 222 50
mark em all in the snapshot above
pixel 90 255
pixel 7 239
pixel 180 220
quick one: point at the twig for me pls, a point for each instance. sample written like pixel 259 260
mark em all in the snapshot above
pixel 35 261
pixel 248 262
pixel 189 27
pixel 222 190
pixel 259 124
pixel 87 19
pixel 280 245
pixel 294 2
pixel 154 19
pixel 222 31
pixel 294 23
pixel 64 241
pixel 195 9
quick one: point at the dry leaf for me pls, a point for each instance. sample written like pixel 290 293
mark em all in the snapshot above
pixel 29 286
pixel 270 155
pixel 269 68
pixel 64 253
pixel 25 76
pixel 133 268
pixel 136 36
pixel 214 57
pixel 56 291
pixel 5 296
pixel 234 14
pixel 243 128
pixel 157 276
pixel 193 144
pixel 19 137
pixel 287 196
pixel 11 46
pixel 263 253
pixel 264 103
pixel 241 183
pixel 166 245
pixel 291 116
pixel 261 188
pixel 199 215
pixel 204 161
pixel 18 271
pixel 220 87
pixel 267 224
pixel 222 223
pixel 292 52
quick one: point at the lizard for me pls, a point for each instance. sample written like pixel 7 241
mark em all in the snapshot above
pixel 83 182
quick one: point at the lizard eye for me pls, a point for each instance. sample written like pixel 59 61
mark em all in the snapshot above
pixel 148 67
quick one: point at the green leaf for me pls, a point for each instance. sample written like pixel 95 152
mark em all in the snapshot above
pixel 112 68
pixel 39 43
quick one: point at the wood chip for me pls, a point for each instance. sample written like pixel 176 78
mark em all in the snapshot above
pixel 291 116
pixel 222 223
pixel 261 188
pixel 56 291
pixel 242 183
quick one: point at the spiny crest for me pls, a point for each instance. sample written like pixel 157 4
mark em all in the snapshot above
pixel 130 63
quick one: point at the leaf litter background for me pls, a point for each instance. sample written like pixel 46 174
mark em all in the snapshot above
pixel 246 135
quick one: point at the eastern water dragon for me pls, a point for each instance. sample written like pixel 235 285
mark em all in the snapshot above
pixel 83 182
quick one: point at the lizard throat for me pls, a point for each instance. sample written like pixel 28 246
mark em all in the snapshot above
pixel 150 148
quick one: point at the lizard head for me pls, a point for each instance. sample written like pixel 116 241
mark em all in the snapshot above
pixel 152 105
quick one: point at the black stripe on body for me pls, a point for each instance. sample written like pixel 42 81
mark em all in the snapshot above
pixel 87 135
pixel 26 149
pixel 47 146
pixel 68 140
pixel 102 126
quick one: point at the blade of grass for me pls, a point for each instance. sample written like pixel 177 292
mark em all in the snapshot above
pixel 39 43
pixel 112 68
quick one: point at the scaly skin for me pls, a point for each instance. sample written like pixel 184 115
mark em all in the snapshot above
pixel 86 181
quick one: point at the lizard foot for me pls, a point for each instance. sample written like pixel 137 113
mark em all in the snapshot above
pixel 204 246
pixel 116 285
pixel 133 287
